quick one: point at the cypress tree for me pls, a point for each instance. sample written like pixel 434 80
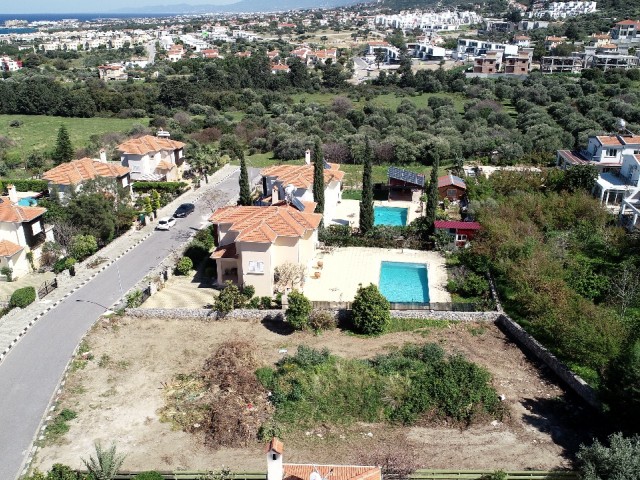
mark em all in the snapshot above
pixel 64 150
pixel 318 177
pixel 432 195
pixel 245 189
pixel 366 203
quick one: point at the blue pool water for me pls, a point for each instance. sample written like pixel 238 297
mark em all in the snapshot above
pixel 27 202
pixel 391 216
pixel 404 282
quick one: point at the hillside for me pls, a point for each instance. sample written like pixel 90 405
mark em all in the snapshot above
pixel 243 6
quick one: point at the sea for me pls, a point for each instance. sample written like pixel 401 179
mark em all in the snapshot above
pixel 56 17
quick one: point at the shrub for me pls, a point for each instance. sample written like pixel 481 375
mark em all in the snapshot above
pixel 205 236
pixel 69 263
pixel 249 291
pixel 184 266
pixel 51 251
pixel 28 185
pixel 322 320
pixel 370 309
pixel 23 297
pixel 60 265
pixel 152 475
pixel 229 298
pixel 621 459
pixel 254 303
pixel 169 187
pixel 265 303
pixel 468 284
pixel 298 311
pixel 134 299
pixel 83 246
pixel 7 272
pixel 196 251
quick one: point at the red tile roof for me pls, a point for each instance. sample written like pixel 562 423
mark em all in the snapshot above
pixel 78 171
pixel 226 251
pixel 265 224
pixel 9 249
pixel 275 445
pixel 447 180
pixel 630 139
pixel 629 22
pixel 457 225
pixel 609 140
pixel 301 176
pixel 17 214
pixel 148 144
pixel 334 472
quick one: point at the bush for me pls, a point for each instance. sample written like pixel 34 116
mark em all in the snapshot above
pixel 322 320
pixel 83 246
pixel 254 303
pixel 370 309
pixel 134 299
pixel 51 251
pixel 7 272
pixel 467 283
pixel 23 297
pixel 229 298
pixel 28 185
pixel 168 187
pixel 298 311
pixel 152 475
pixel 621 459
pixel 60 265
pixel 249 291
pixel 265 303
pixel 196 251
pixel 205 237
pixel 184 266
pixel 69 263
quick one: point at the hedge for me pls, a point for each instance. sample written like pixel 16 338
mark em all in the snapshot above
pixel 23 297
pixel 28 185
pixel 168 187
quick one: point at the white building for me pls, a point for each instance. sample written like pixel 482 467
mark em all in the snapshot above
pixel 471 48
pixel 558 10
pixel 7 64
pixel 153 158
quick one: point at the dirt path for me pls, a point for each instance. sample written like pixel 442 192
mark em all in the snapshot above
pixel 118 393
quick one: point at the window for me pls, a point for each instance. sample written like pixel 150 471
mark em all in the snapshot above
pixel 256 267
pixel 452 192
pixel 36 228
pixel 125 181
pixel 461 238
pixel 610 152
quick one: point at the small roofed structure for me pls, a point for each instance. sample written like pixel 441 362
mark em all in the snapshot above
pixel 461 232
pixel 451 187
pixel 405 185
pixel 277 470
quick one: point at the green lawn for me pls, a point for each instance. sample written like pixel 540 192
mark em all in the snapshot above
pixel 39 132
pixel 388 100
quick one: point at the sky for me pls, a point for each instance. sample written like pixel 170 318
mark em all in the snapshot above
pixel 88 6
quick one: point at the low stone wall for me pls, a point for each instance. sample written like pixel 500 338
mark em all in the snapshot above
pixel 573 381
pixel 451 316
pixel 205 314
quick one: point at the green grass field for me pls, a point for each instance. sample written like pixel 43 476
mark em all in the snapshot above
pixel 388 100
pixel 39 132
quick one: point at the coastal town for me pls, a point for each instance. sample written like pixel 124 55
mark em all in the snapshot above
pixel 383 240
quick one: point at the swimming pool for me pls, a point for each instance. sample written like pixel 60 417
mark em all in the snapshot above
pixel 391 216
pixel 404 282
pixel 27 202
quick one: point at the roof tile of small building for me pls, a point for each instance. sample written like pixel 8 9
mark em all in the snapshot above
pixel 9 249
pixel 334 472
pixel 301 176
pixel 451 180
pixel 609 140
pixel 10 212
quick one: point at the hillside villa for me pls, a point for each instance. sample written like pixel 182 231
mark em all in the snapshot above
pixel 70 176
pixel 153 158
pixel 277 181
pixel 253 241
pixel 22 230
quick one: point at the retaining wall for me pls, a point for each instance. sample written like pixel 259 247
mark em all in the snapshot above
pixel 573 381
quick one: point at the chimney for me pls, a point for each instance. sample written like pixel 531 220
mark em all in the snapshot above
pixel 103 155
pixel 275 470
pixel 275 197
pixel 13 193
pixel 307 157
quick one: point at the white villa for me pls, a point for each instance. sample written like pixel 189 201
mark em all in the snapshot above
pixel 153 158
pixel 297 180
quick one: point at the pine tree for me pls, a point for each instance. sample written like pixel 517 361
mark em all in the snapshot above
pixel 432 195
pixel 245 189
pixel 366 203
pixel 64 150
pixel 318 177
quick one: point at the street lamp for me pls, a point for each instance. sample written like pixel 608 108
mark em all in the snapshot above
pixel 107 311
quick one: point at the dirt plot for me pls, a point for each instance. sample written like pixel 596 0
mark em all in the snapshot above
pixel 118 393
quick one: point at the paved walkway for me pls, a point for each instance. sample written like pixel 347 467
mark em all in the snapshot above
pixel 16 323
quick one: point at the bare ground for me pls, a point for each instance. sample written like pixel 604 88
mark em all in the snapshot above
pixel 118 393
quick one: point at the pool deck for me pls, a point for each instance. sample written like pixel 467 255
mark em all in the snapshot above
pixel 345 268
pixel 348 211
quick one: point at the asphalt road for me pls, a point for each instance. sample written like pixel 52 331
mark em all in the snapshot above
pixel 30 373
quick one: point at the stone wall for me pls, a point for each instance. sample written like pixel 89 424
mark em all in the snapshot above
pixel 451 316
pixel 573 381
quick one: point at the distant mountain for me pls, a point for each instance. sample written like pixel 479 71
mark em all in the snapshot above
pixel 242 6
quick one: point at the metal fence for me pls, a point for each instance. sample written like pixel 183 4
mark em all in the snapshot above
pixel 47 287
pixel 435 306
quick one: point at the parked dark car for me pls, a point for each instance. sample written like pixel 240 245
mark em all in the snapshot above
pixel 184 210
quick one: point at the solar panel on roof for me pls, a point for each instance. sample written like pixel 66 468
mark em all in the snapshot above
pixel 297 203
pixel 406 176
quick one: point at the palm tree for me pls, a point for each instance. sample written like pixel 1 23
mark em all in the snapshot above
pixel 106 463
